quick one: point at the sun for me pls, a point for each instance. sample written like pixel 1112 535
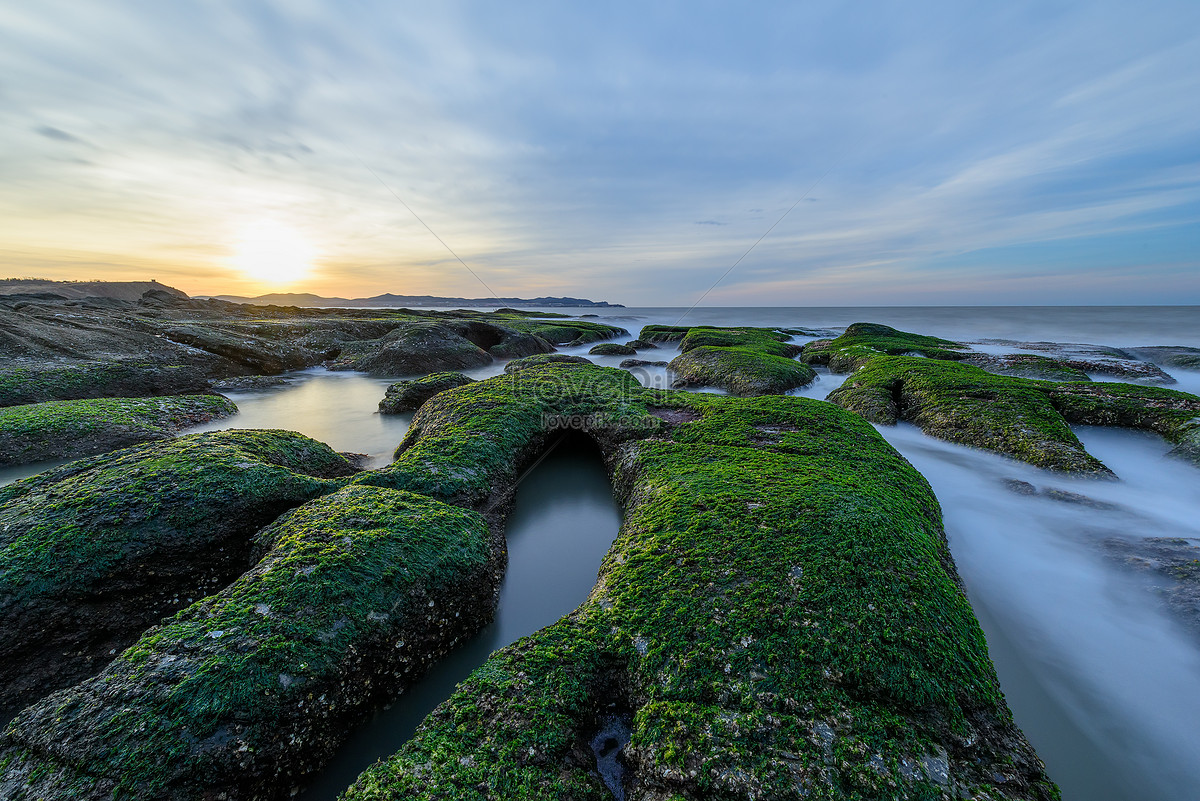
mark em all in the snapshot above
pixel 273 253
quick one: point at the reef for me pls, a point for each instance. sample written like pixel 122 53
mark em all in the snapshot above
pixel 612 349
pixel 95 551
pixel 407 396
pixel 166 343
pixel 741 361
pixel 778 618
pixel 533 361
pixel 958 402
pixel 70 429
pixel 243 693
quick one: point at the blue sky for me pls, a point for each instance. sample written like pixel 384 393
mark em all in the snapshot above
pixel 942 152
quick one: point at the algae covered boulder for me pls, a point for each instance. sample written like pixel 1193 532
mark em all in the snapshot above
pixel 243 693
pixel 93 552
pixel 779 616
pixel 1028 365
pixel 612 349
pixel 407 396
pixel 739 371
pixel 549 358
pixel 28 381
pixel 862 341
pixel 69 429
pixel 641 344
pixel 1019 417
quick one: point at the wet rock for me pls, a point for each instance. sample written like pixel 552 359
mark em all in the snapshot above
pixel 742 361
pixel 69 429
pixel 1176 356
pixel 612 349
pixel 1020 487
pixel 641 344
pixel 24 381
pixel 250 383
pixel 244 693
pixel 627 363
pixel 726 662
pixel 549 358
pixel 1027 419
pixel 1027 365
pixel 433 347
pixel 1098 360
pixel 1174 565
pixel 93 552
pixel 407 396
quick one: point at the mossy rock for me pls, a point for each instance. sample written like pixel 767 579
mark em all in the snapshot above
pixel 763 340
pixel 641 344
pixel 663 333
pixel 1028 365
pixel 739 371
pixel 243 694
pixel 24 382
pixel 93 552
pixel 413 349
pixel 630 363
pixel 548 358
pixel 612 349
pixel 407 396
pixel 1177 356
pixel 567 332
pixel 1026 419
pixel 779 616
pixel 70 429
pixel 862 341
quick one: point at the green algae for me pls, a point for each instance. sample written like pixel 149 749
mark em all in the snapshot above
pixel 407 396
pixel 36 383
pixel 1027 419
pixel 94 551
pixel 739 370
pixel 66 429
pixel 742 361
pixel 250 689
pixel 612 349
pixel 779 616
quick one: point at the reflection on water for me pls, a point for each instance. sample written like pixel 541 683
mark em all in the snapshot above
pixel 339 409
pixel 563 522
pixel 1100 679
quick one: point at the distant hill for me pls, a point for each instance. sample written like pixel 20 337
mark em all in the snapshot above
pixel 409 301
pixel 75 290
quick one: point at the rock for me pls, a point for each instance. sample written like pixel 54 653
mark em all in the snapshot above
pixel 1099 360
pixel 244 693
pixel 250 383
pixel 612 349
pixel 641 344
pixel 433 347
pixel 1027 365
pixel 863 341
pixel 549 358
pixel 40 432
pixel 779 594
pixel 739 371
pixel 627 363
pixel 1026 419
pixel 1176 356
pixel 407 396
pixel 24 381
pixel 1020 487
pixel 1174 563
pixel 93 552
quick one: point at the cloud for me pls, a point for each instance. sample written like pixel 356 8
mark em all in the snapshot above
pixel 570 152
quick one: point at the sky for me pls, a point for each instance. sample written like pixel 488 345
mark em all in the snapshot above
pixel 906 153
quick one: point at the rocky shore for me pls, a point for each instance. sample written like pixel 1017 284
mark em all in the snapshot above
pixel 209 616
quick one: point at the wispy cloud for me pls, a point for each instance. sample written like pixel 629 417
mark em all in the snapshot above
pixel 566 151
